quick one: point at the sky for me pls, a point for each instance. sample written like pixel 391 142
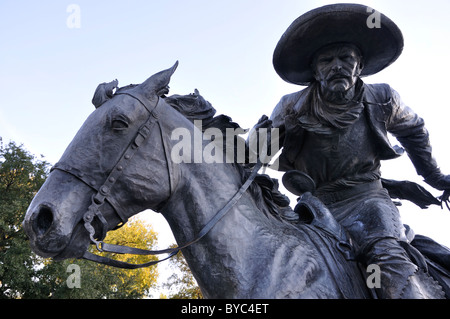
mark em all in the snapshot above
pixel 54 54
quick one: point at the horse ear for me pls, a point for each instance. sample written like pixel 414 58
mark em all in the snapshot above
pixel 104 92
pixel 158 83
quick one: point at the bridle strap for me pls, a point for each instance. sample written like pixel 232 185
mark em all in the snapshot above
pixel 104 190
pixel 120 264
pixel 140 137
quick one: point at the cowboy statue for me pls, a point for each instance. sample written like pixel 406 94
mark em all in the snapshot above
pixel 335 132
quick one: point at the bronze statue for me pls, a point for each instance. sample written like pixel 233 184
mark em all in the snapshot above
pixel 335 131
pixel 237 232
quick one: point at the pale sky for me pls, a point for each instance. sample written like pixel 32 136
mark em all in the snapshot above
pixel 50 65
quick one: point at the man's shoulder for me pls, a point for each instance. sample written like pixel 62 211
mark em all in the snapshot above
pixel 379 90
pixel 293 98
pixel 287 104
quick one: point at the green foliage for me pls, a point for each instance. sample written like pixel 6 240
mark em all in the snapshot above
pixel 182 283
pixel 21 175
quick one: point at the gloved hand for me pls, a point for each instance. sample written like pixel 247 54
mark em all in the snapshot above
pixel 255 138
pixel 438 181
pixel 445 199
pixel 441 182
pixel 263 122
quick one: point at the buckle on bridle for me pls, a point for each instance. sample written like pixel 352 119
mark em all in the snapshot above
pixel 88 218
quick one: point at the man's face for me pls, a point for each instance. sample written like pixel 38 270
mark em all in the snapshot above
pixel 337 68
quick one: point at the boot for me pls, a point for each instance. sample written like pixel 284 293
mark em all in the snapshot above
pixel 422 286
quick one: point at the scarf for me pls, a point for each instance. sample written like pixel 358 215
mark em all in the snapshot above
pixel 323 117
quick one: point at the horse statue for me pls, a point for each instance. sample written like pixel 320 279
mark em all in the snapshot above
pixel 228 220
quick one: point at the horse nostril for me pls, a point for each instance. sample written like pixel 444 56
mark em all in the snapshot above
pixel 43 221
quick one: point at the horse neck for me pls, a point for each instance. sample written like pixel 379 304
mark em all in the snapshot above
pixel 203 191
pixel 207 189
pixel 199 189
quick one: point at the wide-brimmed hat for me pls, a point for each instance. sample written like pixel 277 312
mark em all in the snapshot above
pixel 378 38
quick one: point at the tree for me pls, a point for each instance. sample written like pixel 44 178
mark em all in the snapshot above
pixel 21 175
pixel 182 282
pixel 26 275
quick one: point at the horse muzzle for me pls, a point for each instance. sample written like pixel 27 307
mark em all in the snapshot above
pixel 53 222
pixel 48 239
pixel 40 226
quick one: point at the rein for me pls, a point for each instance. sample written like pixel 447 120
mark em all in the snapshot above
pixel 103 193
pixel 111 248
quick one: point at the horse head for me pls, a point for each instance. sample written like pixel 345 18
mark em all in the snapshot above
pixel 100 162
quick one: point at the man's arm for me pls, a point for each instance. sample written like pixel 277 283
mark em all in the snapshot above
pixel 410 131
pixel 276 121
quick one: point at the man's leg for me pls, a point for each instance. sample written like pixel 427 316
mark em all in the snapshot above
pixel 374 223
pixel 400 278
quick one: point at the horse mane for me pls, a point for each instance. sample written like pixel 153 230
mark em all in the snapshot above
pixel 264 190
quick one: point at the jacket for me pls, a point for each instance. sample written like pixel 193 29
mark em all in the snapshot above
pixel 385 113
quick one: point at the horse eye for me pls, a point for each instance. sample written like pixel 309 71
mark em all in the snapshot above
pixel 119 125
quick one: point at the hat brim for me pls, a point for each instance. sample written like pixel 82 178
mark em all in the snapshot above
pixel 380 44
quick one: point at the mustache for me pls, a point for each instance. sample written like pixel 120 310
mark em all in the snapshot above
pixel 338 75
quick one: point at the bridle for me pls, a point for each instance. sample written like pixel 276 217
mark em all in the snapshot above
pixel 103 193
